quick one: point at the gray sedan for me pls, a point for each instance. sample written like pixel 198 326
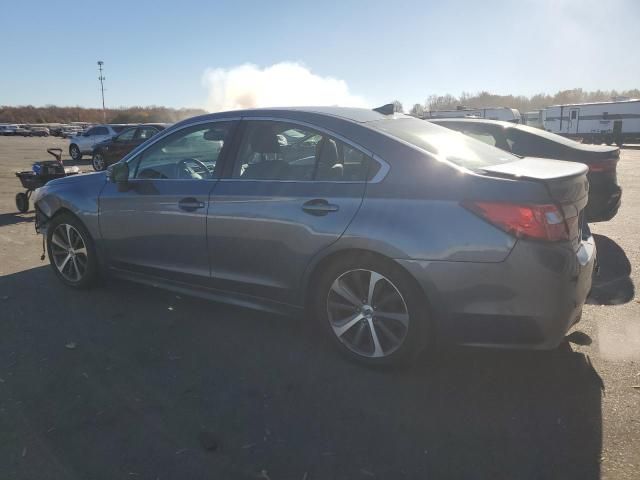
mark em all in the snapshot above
pixel 393 233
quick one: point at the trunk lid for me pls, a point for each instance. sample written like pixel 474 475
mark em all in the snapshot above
pixel 566 183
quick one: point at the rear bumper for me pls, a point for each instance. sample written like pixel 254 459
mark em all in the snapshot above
pixel 529 300
pixel 604 202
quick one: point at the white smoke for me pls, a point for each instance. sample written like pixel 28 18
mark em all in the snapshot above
pixel 280 85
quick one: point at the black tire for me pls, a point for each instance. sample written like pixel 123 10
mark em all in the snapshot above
pixel 22 202
pixel 75 152
pixel 90 275
pixel 98 162
pixel 416 336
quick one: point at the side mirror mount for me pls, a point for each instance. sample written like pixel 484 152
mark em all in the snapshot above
pixel 118 173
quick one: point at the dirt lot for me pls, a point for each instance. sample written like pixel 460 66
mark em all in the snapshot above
pixel 129 382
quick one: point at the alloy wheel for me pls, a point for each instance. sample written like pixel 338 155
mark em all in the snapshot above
pixel 98 162
pixel 367 313
pixel 69 252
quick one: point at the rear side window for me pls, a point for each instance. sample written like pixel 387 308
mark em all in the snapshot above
pixel 283 151
pixel 447 144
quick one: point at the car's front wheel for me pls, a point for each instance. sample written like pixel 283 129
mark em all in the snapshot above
pixel 72 253
pixel 372 310
pixel 98 162
pixel 75 152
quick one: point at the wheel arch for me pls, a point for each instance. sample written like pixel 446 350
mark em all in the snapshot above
pixel 320 264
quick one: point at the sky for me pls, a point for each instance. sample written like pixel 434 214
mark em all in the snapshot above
pixel 230 54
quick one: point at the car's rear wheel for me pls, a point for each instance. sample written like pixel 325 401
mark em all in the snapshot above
pixel 372 310
pixel 72 253
pixel 98 162
pixel 75 152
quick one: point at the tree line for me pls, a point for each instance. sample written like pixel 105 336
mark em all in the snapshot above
pixel 521 102
pixel 54 114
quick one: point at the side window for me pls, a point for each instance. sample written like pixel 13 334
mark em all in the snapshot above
pixel 126 136
pixel 574 114
pixel 276 151
pixel 283 151
pixel 100 131
pixel 188 154
pixel 143 133
pixel 90 132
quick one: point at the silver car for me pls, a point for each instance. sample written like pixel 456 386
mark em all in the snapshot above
pixel 394 234
pixel 82 143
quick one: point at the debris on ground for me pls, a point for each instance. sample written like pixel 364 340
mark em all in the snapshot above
pixel 70 345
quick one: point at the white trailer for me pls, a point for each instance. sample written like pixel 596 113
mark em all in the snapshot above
pixel 609 122
pixel 490 113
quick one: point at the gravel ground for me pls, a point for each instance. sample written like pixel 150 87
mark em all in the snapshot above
pixel 130 382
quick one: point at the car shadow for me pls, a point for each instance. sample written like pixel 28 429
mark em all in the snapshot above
pixel 14 218
pixel 613 284
pixel 127 378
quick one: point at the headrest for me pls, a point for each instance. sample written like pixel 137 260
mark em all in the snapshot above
pixel 264 140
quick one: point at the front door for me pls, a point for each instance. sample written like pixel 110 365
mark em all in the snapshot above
pixel 574 119
pixel 120 146
pixel 292 192
pixel 156 223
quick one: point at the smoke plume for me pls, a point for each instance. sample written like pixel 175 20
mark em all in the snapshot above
pixel 281 84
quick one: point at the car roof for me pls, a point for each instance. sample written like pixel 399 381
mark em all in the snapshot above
pixel 357 115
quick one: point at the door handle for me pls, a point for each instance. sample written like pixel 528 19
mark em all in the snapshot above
pixel 319 207
pixel 190 204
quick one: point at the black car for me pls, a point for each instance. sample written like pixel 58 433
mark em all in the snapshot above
pixel 605 194
pixel 112 150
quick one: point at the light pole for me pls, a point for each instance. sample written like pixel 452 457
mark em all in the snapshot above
pixel 101 78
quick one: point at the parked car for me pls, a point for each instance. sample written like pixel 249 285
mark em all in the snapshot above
pixel 82 144
pixel 39 132
pixel 395 233
pixel 112 150
pixel 22 131
pixel 8 130
pixel 605 194
pixel 69 132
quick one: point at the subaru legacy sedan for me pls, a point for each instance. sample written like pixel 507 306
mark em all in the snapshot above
pixel 392 233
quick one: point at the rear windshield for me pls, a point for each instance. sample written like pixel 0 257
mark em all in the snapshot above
pixel 447 144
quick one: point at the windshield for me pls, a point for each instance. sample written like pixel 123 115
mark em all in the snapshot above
pixel 119 128
pixel 444 143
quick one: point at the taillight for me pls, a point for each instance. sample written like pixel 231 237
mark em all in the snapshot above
pixel 540 222
pixel 604 166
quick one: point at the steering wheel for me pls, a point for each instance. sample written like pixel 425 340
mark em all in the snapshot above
pixel 183 167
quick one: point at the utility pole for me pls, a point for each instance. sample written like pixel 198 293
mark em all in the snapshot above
pixel 101 78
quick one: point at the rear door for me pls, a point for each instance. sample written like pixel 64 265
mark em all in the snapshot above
pixel 291 191
pixel 157 225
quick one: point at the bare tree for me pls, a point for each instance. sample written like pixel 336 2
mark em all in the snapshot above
pixel 417 110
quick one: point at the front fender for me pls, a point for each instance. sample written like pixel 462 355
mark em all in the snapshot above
pixel 79 196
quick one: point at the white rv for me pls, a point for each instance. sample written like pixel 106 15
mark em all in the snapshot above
pixel 495 113
pixel 609 122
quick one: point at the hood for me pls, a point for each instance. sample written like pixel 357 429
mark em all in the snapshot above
pixel 95 177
